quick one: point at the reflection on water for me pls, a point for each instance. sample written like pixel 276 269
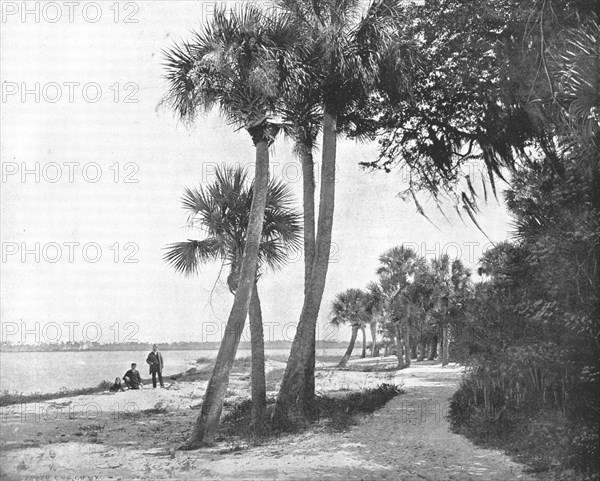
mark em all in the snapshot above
pixel 47 372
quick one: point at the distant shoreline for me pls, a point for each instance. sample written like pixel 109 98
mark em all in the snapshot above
pixel 187 346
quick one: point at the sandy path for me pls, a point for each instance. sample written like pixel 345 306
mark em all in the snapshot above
pixel 408 439
pixel 411 437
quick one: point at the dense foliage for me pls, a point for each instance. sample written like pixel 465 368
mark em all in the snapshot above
pixel 534 324
pixel 514 88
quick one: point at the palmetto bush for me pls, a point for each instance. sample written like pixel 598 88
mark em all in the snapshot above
pixel 498 411
pixel 530 377
pixel 532 399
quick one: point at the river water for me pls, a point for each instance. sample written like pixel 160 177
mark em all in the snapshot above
pixel 48 372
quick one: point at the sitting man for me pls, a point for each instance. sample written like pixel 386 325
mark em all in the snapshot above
pixel 132 378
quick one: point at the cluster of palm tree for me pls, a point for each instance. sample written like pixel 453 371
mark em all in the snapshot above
pixel 414 304
pixel 302 68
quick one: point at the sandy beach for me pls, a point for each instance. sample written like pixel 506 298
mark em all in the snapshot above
pixel 136 435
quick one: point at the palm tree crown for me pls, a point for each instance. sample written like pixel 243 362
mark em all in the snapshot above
pixel 343 44
pixel 234 63
pixel 349 307
pixel 397 266
pixel 222 209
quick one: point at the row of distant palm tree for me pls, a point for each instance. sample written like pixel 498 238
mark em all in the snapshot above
pixel 412 298
pixel 302 68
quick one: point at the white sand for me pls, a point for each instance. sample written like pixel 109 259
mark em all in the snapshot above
pixel 407 439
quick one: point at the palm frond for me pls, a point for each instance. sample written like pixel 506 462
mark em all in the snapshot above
pixel 187 257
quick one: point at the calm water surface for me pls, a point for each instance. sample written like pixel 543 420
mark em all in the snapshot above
pixel 46 372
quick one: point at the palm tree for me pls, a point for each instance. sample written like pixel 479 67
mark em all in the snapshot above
pixel 427 331
pixel 375 306
pixel 221 209
pixel 233 63
pixel 451 289
pixel 363 352
pixel 396 273
pixel 418 297
pixel 340 57
pixel 348 307
pixel 441 272
pixel 460 289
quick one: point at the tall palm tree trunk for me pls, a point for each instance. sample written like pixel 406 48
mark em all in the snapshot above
pixel 421 349
pixel 348 353
pixel 374 345
pixel 308 193
pixel 432 346
pixel 399 347
pixel 445 345
pixel 257 376
pixel 207 424
pixel 439 348
pixel 363 354
pixel 407 345
pixel 296 394
pixel 308 205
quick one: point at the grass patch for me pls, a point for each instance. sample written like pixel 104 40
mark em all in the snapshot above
pixel 159 408
pixel 327 359
pixel 242 364
pixel 364 401
pixel 7 398
pixel 91 429
pixel 387 367
pixel 335 413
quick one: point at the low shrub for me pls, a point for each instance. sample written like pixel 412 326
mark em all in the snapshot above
pixel 535 403
pixel 365 401
pixel 337 413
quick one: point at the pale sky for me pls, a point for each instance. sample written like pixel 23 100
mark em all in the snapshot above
pixel 95 107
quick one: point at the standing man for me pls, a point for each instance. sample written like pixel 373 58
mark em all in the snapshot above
pixel 155 361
